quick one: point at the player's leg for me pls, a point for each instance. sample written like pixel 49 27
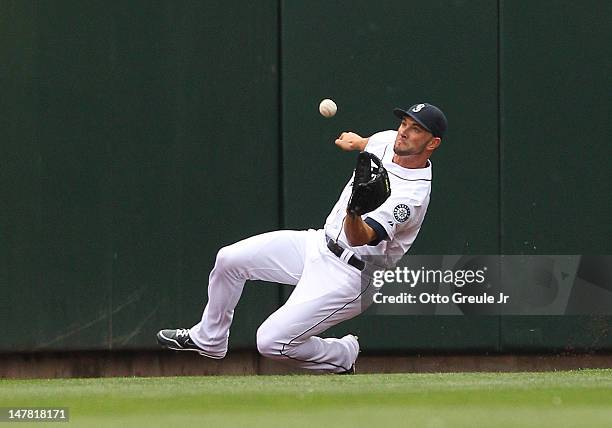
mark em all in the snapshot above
pixel 274 257
pixel 290 334
pixel 328 293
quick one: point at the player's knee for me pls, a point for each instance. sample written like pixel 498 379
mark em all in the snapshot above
pixel 268 344
pixel 228 258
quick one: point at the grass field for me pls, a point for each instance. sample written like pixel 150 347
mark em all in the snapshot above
pixel 556 399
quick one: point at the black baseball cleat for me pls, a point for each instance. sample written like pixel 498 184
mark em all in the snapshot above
pixel 179 340
pixel 349 371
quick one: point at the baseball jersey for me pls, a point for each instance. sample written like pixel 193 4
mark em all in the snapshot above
pixel 400 216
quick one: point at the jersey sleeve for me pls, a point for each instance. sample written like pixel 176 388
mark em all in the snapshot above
pixel 379 141
pixel 381 233
pixel 396 214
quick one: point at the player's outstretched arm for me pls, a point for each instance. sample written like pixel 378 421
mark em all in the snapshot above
pixel 357 231
pixel 349 141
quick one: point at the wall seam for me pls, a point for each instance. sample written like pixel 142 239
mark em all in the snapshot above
pixel 280 129
pixel 500 153
pixel 281 153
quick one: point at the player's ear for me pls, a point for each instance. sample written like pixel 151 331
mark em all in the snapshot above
pixel 434 143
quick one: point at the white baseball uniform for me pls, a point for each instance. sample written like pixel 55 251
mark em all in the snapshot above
pixel 328 290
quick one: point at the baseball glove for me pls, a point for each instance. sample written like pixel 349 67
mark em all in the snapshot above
pixel 371 186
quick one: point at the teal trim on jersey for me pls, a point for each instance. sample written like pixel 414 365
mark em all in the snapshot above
pixel 381 233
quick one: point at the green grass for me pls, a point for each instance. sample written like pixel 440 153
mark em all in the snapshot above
pixel 556 399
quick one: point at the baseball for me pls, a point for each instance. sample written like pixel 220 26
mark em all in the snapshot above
pixel 328 108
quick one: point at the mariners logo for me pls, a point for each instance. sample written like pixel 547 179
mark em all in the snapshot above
pixel 401 213
pixel 417 108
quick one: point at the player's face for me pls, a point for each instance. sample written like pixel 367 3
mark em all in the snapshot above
pixel 411 138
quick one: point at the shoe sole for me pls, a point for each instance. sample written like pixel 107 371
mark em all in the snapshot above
pixel 162 341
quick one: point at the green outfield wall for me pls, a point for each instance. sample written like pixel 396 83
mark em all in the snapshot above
pixel 139 137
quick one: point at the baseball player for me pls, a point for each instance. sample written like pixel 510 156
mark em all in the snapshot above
pixel 379 213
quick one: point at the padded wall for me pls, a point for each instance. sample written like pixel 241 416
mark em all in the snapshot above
pixel 138 137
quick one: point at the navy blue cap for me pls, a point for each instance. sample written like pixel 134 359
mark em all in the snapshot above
pixel 428 116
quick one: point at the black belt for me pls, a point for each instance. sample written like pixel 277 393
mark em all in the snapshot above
pixel 338 250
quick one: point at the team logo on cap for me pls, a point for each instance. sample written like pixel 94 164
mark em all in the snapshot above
pixel 417 108
pixel 401 213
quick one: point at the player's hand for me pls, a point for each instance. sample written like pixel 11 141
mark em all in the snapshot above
pixel 349 141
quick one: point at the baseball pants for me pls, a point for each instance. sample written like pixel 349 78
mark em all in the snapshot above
pixel 327 291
